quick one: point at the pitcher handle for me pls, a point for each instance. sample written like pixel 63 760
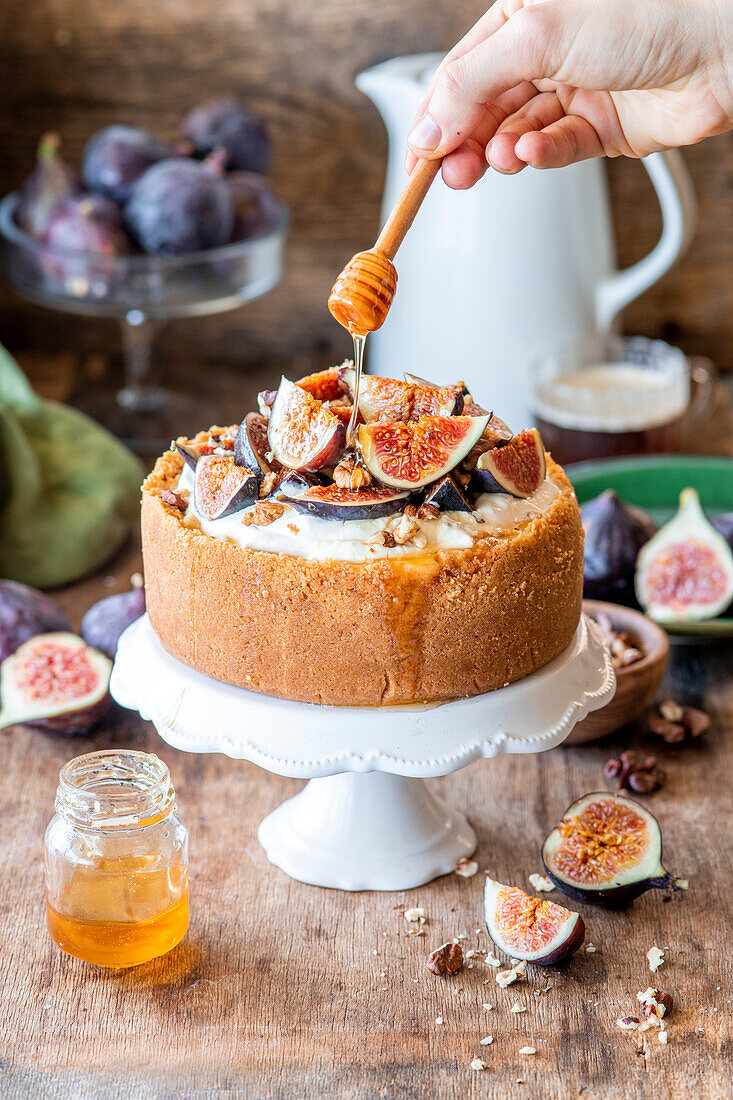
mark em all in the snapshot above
pixel 675 191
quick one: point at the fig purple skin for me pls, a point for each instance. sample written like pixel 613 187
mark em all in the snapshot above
pixel 179 206
pixel 105 621
pixel 25 612
pixel 447 495
pixel 256 210
pixel 189 454
pixel 115 158
pixel 50 183
pixel 223 123
pixel 614 535
pixel 90 225
pixel 329 502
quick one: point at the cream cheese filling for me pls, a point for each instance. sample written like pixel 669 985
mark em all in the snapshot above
pixel 303 535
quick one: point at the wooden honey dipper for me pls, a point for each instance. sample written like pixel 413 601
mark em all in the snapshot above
pixel 362 294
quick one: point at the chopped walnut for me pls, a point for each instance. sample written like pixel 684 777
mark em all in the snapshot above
pixel 541 883
pixel 507 977
pixel 387 539
pixel 654 1002
pixel 428 511
pixel 263 513
pixel 527 1050
pixel 268 483
pixel 628 1023
pixel 446 960
pixel 416 914
pixel 176 499
pixel 350 475
pixel 640 776
pixel 623 650
pixel 405 528
pixel 466 868
pixel 655 958
pixel 477 1064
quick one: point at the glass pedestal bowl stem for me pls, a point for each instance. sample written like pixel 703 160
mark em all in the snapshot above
pixel 139 394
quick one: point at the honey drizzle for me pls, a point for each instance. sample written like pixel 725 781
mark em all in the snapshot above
pixel 359 343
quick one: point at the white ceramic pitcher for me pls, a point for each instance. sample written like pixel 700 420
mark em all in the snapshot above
pixel 515 267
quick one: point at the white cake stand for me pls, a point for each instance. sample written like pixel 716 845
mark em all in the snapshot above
pixel 367 820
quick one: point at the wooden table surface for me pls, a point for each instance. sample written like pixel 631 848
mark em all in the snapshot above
pixel 285 990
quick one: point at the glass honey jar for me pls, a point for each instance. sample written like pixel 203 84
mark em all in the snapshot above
pixel 116 860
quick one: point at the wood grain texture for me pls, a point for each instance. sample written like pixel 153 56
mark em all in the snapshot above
pixel 284 990
pixel 77 65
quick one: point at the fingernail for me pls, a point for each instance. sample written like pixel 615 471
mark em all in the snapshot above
pixel 427 134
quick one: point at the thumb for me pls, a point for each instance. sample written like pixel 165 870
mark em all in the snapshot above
pixel 528 46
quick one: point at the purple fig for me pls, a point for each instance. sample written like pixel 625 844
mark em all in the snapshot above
pixel 614 535
pixel 448 495
pixel 179 206
pixel 25 612
pixel 223 123
pixel 256 209
pixel 89 225
pixel 54 682
pixel 115 158
pixel 50 183
pixel 106 620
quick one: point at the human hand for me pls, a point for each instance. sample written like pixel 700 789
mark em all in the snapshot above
pixel 551 82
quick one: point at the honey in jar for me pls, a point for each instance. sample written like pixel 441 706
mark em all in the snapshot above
pixel 116 860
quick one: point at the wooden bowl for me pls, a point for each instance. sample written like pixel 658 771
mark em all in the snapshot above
pixel 635 684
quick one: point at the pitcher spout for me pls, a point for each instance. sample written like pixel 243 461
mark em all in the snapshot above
pixel 396 87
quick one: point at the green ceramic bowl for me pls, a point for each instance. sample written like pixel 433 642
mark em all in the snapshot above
pixel 654 484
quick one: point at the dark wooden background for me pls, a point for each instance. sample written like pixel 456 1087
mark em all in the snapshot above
pixel 77 65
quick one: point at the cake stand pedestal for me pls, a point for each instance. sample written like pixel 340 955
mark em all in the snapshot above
pixel 366 820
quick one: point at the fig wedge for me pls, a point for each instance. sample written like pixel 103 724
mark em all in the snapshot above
pixel 448 495
pixel 325 385
pixel 517 467
pixel 607 850
pixel 685 573
pixel 221 487
pixel 331 502
pixel 304 434
pixel 391 400
pixel 534 929
pixel 409 455
pixel 252 447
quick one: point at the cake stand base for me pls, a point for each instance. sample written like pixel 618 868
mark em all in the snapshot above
pixel 366 831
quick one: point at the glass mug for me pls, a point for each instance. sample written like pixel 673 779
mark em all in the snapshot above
pixel 619 396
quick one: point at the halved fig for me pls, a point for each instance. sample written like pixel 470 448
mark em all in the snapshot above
pixel 221 487
pixel 517 467
pixel 448 495
pixel 54 682
pixel 325 385
pixel 607 850
pixel 331 502
pixel 303 434
pixel 408 455
pixel 685 572
pixel 251 447
pixel 534 929
pixel 391 400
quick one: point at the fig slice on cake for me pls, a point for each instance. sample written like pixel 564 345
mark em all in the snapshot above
pixel 533 929
pixel 325 385
pixel 391 400
pixel 252 447
pixel 332 502
pixel 221 487
pixel 448 495
pixel 607 850
pixel 408 455
pixel 303 433
pixel 517 467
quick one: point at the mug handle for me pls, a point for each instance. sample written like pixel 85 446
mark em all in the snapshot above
pixel 676 194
